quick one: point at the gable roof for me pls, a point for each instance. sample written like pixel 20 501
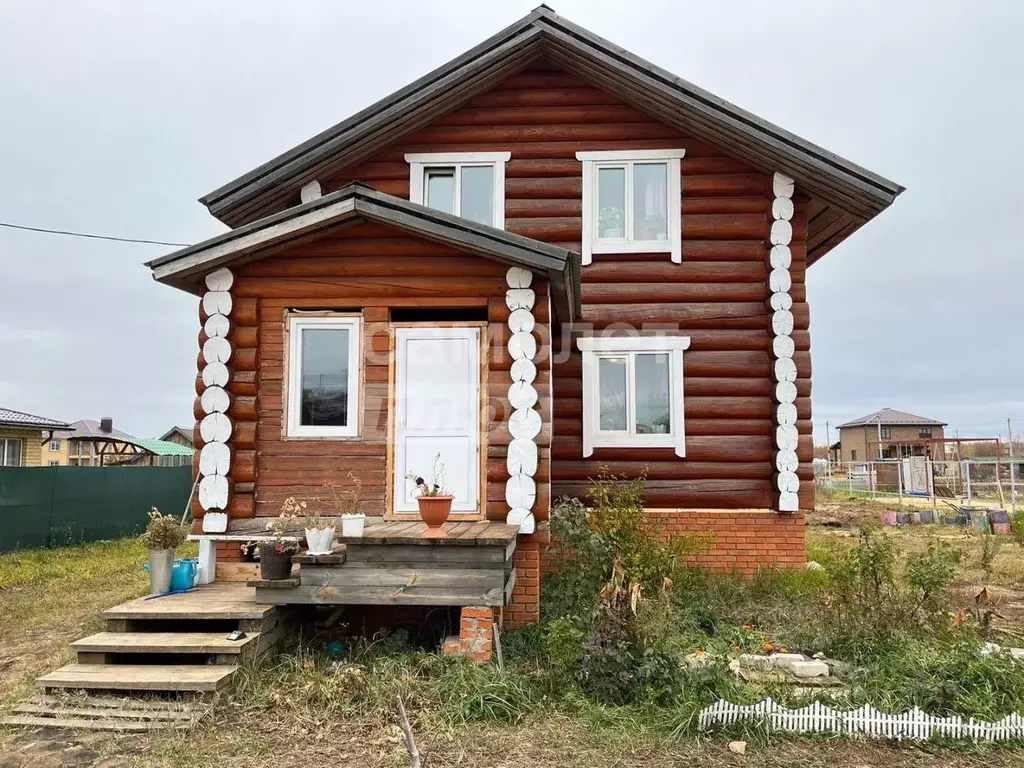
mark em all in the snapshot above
pixel 892 417
pixel 844 195
pixel 90 429
pixel 185 268
pixel 185 432
pixel 9 418
pixel 163 447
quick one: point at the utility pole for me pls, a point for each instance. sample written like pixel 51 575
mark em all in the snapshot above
pixel 1009 435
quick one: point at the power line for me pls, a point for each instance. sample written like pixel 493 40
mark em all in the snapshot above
pixel 92 237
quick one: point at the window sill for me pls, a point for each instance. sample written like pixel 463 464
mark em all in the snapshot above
pixel 632 246
pixel 323 438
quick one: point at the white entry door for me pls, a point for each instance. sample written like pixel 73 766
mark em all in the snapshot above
pixel 437 410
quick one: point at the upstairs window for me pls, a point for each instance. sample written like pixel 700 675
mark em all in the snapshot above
pixel 467 184
pixel 54 445
pixel 925 433
pixel 323 376
pixel 631 202
pixel 633 392
pixel 886 433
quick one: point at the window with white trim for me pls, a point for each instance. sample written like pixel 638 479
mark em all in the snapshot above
pixel 467 184
pixel 323 376
pixel 633 392
pixel 54 445
pixel 11 450
pixel 632 201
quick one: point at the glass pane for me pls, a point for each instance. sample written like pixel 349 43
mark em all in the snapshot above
pixel 324 377
pixel 13 458
pixel 612 391
pixel 439 189
pixel 611 202
pixel 653 400
pixel 477 193
pixel 650 201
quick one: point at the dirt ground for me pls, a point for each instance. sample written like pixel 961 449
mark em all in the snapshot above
pixel 48 599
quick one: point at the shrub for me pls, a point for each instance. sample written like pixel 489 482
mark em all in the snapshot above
pixel 163 531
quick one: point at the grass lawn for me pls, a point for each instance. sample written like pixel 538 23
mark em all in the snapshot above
pixel 307 710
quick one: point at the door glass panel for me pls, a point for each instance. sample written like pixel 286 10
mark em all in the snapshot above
pixel 324 377
pixel 653 411
pixel 477 193
pixel 611 203
pixel 650 201
pixel 439 189
pixel 612 392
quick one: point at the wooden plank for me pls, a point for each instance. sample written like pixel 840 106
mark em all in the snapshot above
pixel 274 583
pixel 411 553
pixel 104 713
pixel 380 596
pixel 89 725
pixel 475 530
pixel 212 601
pixel 388 576
pixel 118 702
pixel 163 642
pixel 140 677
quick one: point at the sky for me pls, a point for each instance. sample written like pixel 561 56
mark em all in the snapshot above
pixel 116 116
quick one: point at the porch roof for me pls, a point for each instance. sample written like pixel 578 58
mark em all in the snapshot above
pixel 186 268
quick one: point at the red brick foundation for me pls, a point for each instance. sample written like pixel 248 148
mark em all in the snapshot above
pixel 476 634
pixel 525 606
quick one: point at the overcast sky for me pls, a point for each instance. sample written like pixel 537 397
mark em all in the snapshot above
pixel 116 116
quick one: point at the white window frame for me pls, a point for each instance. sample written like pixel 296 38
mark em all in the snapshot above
pixel 592 162
pixel 595 348
pixel 420 163
pixel 297 323
pixel 4 441
pixel 54 441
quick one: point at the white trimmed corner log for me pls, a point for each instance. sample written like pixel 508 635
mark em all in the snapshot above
pixel 310 191
pixel 780 303
pixel 524 422
pixel 215 427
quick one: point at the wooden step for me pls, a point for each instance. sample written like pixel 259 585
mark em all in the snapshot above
pixel 84 724
pixel 169 715
pixel 140 677
pixel 212 601
pixel 163 642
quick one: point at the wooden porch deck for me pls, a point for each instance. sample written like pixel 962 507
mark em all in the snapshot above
pixel 393 564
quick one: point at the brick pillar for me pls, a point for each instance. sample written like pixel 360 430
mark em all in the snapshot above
pixel 525 606
pixel 476 634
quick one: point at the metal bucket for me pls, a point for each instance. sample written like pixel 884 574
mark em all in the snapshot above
pixel 161 561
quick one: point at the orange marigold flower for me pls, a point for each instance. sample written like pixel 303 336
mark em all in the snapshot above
pixel 747 627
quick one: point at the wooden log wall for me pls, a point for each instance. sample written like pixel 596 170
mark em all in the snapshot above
pixel 718 295
pixel 371 269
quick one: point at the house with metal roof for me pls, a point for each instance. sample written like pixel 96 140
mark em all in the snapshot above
pixel 890 434
pixel 22 436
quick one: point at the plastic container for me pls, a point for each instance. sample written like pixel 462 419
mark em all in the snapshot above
pixel 183 575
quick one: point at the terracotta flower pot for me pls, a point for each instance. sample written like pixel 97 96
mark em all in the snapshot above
pixel 434 511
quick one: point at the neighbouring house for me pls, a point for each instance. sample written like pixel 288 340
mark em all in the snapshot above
pixel 179 435
pixel 890 434
pixel 545 257
pixel 96 443
pixel 22 437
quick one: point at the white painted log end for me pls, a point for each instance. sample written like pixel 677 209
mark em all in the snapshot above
pixel 522 457
pixel 779 301
pixel 216 350
pixel 782 322
pixel 520 298
pixel 787 482
pixel 786 461
pixel 785 413
pixel 782 185
pixel 214 400
pixel 520 491
pixel 310 191
pixel 522 346
pixel 782 209
pixel 215 375
pixel 780 257
pixel 518 277
pixel 521 321
pixel 215 428
pixel 213 492
pixel 217 326
pixel 785 392
pixel 782 233
pixel 220 280
pixel 217 302
pixel 785 368
pixel 522 395
pixel 215 459
pixel 789 502
pixel 780 281
pixel 783 347
pixel 215 522
pixel 528 526
pixel 524 370
pixel 786 437
pixel 516 515
pixel 524 424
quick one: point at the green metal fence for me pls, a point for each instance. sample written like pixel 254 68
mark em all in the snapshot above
pixel 56 506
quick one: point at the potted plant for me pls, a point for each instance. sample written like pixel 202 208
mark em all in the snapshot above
pixel 163 535
pixel 276 554
pixel 344 501
pixel 434 500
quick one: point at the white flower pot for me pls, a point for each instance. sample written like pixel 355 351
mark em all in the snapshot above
pixel 352 525
pixel 320 541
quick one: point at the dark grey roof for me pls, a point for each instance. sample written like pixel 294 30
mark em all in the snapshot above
pixel 844 195
pixel 185 268
pixel 185 432
pixel 891 417
pixel 89 429
pixel 10 418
